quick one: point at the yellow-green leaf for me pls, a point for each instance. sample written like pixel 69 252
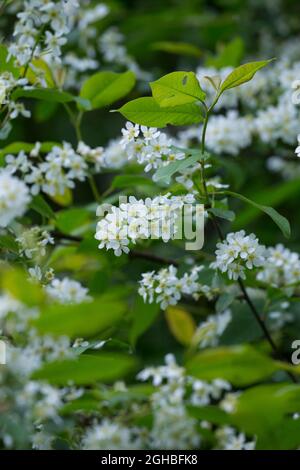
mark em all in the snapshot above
pixel 181 324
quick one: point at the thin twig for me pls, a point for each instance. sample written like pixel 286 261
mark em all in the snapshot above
pixel 152 257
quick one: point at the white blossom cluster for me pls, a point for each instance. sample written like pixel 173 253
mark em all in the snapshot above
pixel 228 134
pixel 41 28
pixel 172 427
pixel 281 268
pixel 67 291
pixel 14 198
pixel 166 288
pixel 111 435
pixel 280 122
pixel 209 331
pixel 7 84
pixel 229 439
pixel 139 219
pixel 38 351
pixel 59 168
pixel 33 241
pixel 238 125
pixel 111 45
pixel 237 253
pixel 149 146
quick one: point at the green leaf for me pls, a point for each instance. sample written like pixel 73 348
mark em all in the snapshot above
pixel 147 112
pixel 7 65
pixel 144 316
pixel 265 411
pixel 165 172
pixel 229 55
pixel 177 88
pixel 64 199
pixel 223 214
pixel 80 320
pixel 279 194
pixel 210 413
pixel 8 242
pixel 242 74
pixel 279 220
pixel 17 147
pixel 224 301
pixel 180 48
pixel 240 365
pixel 129 181
pixel 86 369
pixel 16 283
pixel 181 324
pixel 73 221
pixel 39 205
pixel 37 67
pixel 47 94
pixel 104 88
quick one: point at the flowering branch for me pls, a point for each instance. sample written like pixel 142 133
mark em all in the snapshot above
pixel 221 236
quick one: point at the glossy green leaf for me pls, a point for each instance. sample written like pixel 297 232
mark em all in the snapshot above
pixel 177 88
pixel 179 48
pixel 129 181
pixel 240 365
pixel 229 55
pixel 266 411
pixel 104 88
pixel 47 94
pixel 144 315
pixel 242 74
pixel 86 369
pixel 279 220
pixel 165 172
pixel 39 205
pixel 16 283
pixel 72 221
pixel 80 320
pixel 147 112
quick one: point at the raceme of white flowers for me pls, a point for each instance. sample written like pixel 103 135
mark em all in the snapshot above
pixel 209 331
pixel 237 253
pixel 41 22
pixel 139 219
pixel 172 427
pixel 59 168
pixel 281 268
pixel 166 288
pixel 14 198
pixel 67 291
pixel 149 146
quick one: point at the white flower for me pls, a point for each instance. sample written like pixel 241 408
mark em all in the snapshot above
pixel 281 268
pixel 209 331
pixel 130 132
pixel 138 220
pixel 167 288
pixel 229 439
pixel 14 198
pixel 170 372
pixel 35 273
pixel 16 109
pixel 237 253
pixel 67 291
pixel 110 435
pixel 297 151
pixel 150 133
